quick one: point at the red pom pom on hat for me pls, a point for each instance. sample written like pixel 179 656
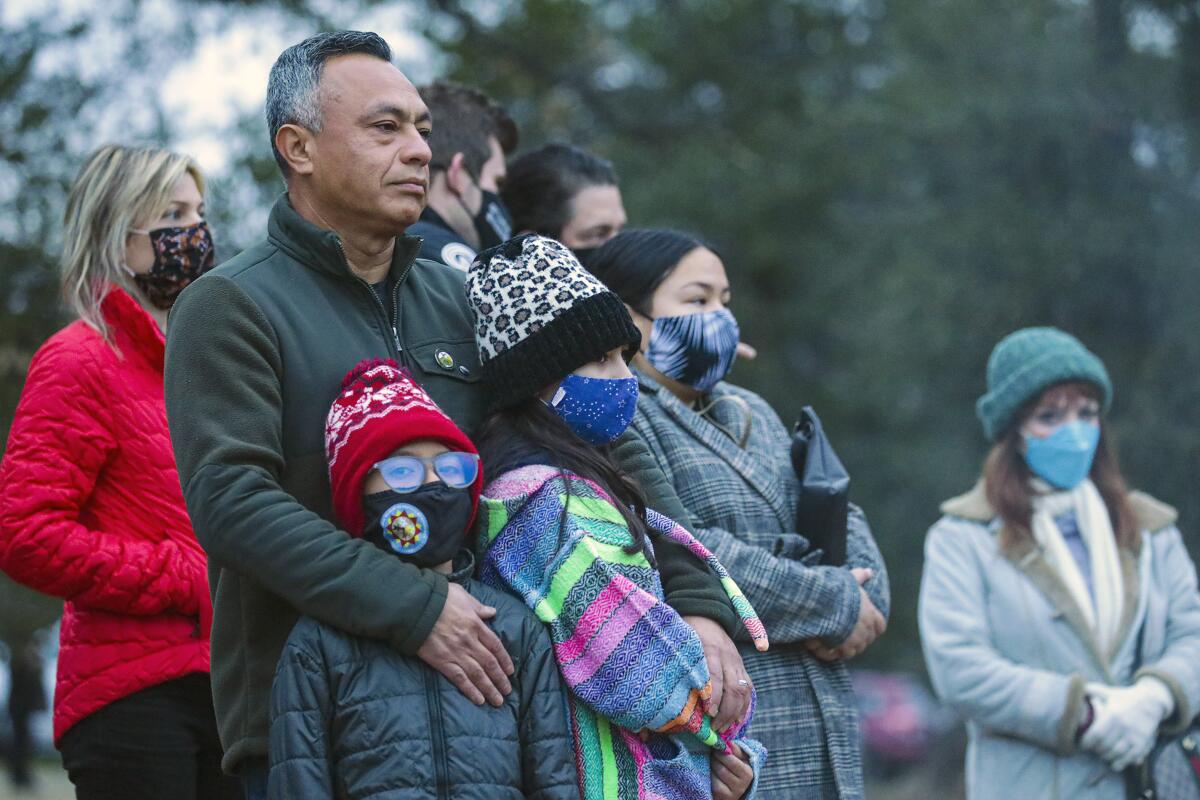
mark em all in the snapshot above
pixel 381 407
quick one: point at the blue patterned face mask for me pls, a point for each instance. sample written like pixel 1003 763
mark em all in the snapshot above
pixel 1064 458
pixel 695 349
pixel 597 409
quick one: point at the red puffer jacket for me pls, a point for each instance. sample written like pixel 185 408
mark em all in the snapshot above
pixel 91 511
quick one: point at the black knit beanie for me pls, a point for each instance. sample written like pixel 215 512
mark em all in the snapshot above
pixel 539 316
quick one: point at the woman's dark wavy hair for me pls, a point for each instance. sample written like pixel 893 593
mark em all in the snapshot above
pixel 1007 477
pixel 531 433
pixel 636 261
pixel 541 186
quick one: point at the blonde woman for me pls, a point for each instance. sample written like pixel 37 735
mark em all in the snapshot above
pixel 90 503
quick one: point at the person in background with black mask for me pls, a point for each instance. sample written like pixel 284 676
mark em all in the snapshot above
pixel 90 502
pixel 470 139
pixel 566 193
pixel 571 195
pixel 350 711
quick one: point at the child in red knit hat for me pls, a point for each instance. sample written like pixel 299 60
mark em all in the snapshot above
pixel 351 716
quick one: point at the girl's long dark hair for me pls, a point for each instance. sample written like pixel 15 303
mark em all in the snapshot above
pixel 530 433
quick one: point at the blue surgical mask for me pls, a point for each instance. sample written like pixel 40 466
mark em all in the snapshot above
pixel 1064 458
pixel 597 409
pixel 695 349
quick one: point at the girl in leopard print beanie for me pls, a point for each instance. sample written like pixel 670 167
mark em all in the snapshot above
pixel 566 532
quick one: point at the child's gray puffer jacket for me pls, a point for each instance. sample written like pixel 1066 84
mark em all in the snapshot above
pixel 353 718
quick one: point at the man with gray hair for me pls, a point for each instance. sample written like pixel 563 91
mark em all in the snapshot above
pixel 257 350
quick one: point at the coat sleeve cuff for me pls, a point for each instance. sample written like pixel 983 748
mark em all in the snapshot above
pixel 417 630
pixel 1069 723
pixel 1181 717
pixel 720 613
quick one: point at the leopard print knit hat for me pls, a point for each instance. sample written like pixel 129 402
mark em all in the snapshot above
pixel 539 316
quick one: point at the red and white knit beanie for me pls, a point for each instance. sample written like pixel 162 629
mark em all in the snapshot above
pixel 380 409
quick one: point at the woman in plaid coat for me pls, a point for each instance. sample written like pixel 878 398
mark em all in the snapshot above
pixel 726 455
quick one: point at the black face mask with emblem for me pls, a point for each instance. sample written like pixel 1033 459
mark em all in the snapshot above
pixel 425 527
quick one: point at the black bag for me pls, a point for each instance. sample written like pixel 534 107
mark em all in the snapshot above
pixel 1172 770
pixel 824 489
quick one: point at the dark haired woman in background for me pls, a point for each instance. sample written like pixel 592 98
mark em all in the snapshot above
pixel 566 193
pixel 567 532
pixel 727 456
pixel 1058 610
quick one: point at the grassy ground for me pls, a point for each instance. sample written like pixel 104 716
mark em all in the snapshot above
pixel 920 784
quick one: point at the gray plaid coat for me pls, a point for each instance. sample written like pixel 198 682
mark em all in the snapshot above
pixel 741 503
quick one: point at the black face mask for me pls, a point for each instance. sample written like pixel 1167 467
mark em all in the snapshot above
pixel 492 224
pixel 425 527
pixel 584 253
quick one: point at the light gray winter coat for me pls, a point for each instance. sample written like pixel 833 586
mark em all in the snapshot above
pixel 1008 649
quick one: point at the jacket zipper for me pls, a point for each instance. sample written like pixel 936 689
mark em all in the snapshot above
pixel 394 321
pixel 433 702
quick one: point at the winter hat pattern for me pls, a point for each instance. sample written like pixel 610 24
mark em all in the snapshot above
pixel 539 316
pixel 380 408
pixel 1026 362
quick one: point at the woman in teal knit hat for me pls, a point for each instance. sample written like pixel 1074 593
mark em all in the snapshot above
pixel 1059 611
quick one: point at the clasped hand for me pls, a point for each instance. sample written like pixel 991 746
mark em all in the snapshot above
pixel 869 627
pixel 1126 720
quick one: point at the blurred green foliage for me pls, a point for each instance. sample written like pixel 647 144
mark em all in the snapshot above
pixel 893 186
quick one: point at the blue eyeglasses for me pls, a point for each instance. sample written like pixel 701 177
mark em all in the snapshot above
pixel 407 473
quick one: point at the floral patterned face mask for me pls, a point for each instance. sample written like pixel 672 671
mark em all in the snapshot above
pixel 180 256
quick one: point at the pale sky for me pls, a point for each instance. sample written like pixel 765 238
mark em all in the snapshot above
pixel 227 71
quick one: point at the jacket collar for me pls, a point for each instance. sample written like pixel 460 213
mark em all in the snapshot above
pixel 320 249
pixel 1152 516
pixel 761 478
pixel 432 217
pixel 133 329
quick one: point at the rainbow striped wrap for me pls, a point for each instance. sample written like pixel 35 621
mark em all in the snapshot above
pixel 631 663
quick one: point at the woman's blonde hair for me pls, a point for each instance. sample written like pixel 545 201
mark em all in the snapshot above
pixel 119 188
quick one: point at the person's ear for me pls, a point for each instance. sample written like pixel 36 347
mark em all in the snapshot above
pixel 298 146
pixel 458 179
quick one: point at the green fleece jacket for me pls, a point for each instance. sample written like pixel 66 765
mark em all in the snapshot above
pixel 256 352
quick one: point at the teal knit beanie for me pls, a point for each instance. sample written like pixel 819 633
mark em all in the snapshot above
pixel 1026 362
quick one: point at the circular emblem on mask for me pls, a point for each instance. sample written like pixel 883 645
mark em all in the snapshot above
pixel 405 528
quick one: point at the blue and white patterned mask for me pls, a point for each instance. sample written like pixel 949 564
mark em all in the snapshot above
pixel 597 409
pixel 695 349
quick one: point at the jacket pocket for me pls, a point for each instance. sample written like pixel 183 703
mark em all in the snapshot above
pixel 456 359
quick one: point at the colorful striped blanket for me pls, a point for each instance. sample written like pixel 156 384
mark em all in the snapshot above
pixel 636 672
